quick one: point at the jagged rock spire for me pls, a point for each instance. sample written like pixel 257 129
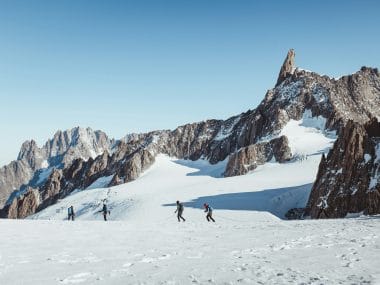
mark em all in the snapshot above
pixel 287 67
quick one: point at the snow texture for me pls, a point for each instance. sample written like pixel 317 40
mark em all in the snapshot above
pixel 100 182
pixel 367 157
pixel 308 135
pixel 250 243
pixel 289 91
pixel 144 244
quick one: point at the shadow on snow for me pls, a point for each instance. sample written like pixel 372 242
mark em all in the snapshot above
pixel 203 167
pixel 275 201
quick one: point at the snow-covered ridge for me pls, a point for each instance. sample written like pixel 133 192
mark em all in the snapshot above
pixel 289 91
pixel 226 129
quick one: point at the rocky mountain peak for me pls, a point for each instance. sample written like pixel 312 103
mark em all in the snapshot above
pixel 31 153
pixel 26 148
pixel 288 67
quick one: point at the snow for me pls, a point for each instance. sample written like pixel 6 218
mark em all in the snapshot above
pixel 226 129
pixel 377 153
pixel 44 174
pixel 374 181
pixel 308 135
pixel 367 157
pixel 44 164
pixel 376 175
pixel 289 91
pixel 150 247
pixel 144 244
pixel 100 182
pixel 193 182
pixel 319 93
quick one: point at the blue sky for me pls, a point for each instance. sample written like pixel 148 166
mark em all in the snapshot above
pixel 135 66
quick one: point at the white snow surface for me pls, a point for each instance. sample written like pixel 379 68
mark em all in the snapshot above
pixel 308 135
pixel 367 157
pixel 144 244
pixel 100 182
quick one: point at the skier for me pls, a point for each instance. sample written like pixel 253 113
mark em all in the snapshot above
pixel 208 210
pixel 179 211
pixel 70 213
pixel 105 212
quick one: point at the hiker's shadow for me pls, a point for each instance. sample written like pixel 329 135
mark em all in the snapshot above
pixel 276 201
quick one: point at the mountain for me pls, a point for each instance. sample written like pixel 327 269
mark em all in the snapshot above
pixel 34 164
pixel 348 179
pixel 244 141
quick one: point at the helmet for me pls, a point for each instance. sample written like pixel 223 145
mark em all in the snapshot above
pixel 177 202
pixel 205 204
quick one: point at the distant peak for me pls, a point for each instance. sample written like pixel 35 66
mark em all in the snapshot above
pixel 26 147
pixel 287 67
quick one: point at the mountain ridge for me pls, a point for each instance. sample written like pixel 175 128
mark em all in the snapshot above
pixel 354 97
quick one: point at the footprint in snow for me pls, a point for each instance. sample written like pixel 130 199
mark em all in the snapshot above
pixel 77 278
pixel 147 260
pixel 164 256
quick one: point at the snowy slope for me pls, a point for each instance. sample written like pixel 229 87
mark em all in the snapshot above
pixel 151 197
pixel 242 247
pixel 272 187
pixel 144 244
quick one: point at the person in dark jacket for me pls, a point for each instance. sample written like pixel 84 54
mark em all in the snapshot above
pixel 179 211
pixel 208 210
pixel 105 212
pixel 70 213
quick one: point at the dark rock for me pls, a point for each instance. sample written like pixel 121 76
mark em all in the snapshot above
pixel 348 180
pixel 23 206
pixel 287 67
pixel 295 214
pixel 248 158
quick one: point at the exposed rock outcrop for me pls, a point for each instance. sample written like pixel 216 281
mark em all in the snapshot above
pixel 23 206
pixel 248 158
pixel 348 179
pixel 60 151
pixel 287 67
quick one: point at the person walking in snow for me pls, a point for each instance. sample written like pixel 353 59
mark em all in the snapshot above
pixel 70 213
pixel 179 211
pixel 208 210
pixel 105 212
pixel 322 208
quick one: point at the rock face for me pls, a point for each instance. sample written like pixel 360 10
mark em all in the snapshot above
pixel 348 179
pixel 287 67
pixel 75 159
pixel 248 158
pixel 22 206
pixel 32 161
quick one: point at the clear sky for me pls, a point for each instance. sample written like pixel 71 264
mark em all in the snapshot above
pixel 135 66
